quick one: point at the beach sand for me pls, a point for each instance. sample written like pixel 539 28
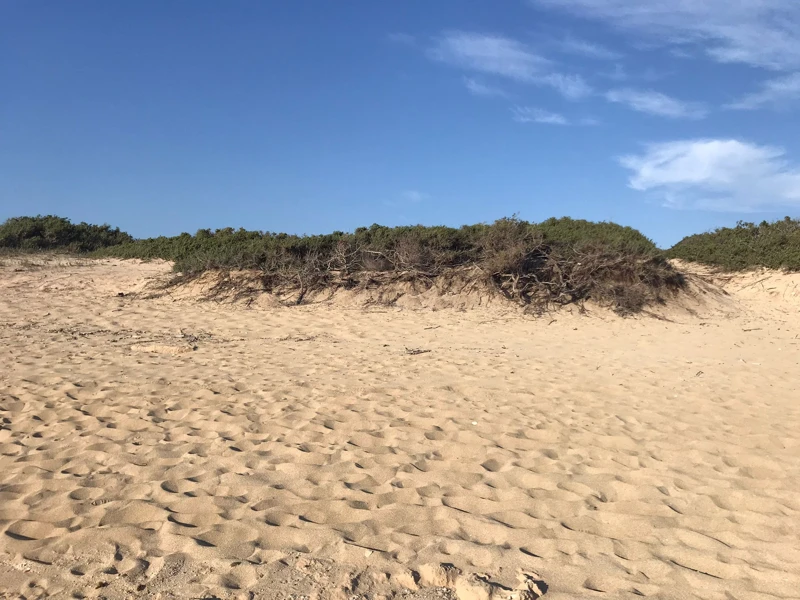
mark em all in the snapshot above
pixel 172 448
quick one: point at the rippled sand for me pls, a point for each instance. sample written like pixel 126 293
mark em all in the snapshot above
pixel 170 448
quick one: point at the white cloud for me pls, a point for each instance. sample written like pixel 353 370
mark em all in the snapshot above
pixel 572 87
pixel 573 45
pixel 504 57
pixel 763 33
pixel 531 114
pixel 493 54
pixel 656 103
pixel 773 92
pixel 714 174
pixel 477 88
pixel 528 114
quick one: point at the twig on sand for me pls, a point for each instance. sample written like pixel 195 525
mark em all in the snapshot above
pixel 754 283
pixel 415 351
pixel 298 338
pixel 753 329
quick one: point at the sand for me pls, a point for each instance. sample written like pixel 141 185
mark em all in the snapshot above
pixel 171 448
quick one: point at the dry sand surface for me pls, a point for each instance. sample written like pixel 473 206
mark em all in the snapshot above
pixel 171 448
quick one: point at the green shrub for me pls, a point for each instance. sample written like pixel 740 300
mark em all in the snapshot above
pixel 556 261
pixel 774 245
pixel 579 232
pixel 56 233
pixel 388 247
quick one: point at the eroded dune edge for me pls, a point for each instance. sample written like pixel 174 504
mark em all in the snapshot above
pixel 419 446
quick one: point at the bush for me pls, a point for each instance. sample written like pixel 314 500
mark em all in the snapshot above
pixel 556 261
pixel 56 233
pixel 378 247
pixel 774 245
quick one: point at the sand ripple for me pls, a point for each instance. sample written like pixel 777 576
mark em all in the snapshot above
pixel 303 451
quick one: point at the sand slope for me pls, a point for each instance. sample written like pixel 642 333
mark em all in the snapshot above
pixel 167 448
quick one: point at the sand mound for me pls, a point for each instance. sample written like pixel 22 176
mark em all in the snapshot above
pixel 780 287
pixel 169 448
pixel 709 293
pixel 245 288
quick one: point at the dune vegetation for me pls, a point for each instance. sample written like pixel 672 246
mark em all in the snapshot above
pixel 49 232
pixel 557 261
pixel 773 245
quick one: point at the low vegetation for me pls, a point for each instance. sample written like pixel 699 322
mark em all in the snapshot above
pixel 555 262
pixel 558 261
pixel 774 245
pixel 51 233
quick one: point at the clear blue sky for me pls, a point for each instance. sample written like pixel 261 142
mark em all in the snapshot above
pixel 310 116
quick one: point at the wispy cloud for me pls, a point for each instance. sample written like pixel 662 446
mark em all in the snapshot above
pixel 505 57
pixel 775 92
pixel 478 88
pixel 679 52
pixel 529 114
pixel 763 33
pixel 493 54
pixel 572 87
pixel 532 114
pixel 656 103
pixel 716 174
pixel 573 45
pixel 402 38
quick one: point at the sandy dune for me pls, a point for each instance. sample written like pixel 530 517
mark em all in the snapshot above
pixel 168 448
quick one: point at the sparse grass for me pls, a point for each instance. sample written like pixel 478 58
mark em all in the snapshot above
pixel 35 261
pixel 774 245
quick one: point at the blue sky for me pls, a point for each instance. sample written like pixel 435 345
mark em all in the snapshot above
pixel 310 116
